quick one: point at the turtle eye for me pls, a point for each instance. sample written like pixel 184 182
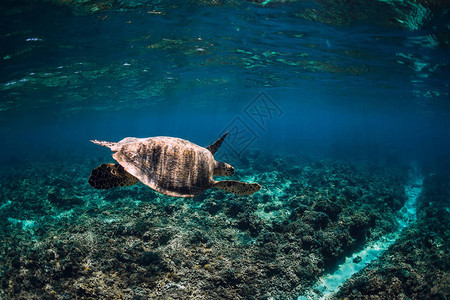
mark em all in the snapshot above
pixel 231 170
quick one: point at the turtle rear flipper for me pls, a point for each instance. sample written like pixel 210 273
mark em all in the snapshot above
pixel 107 176
pixel 237 187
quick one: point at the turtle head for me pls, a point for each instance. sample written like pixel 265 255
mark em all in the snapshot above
pixel 223 169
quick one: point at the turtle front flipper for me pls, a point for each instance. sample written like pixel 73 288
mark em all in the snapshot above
pixel 107 176
pixel 237 187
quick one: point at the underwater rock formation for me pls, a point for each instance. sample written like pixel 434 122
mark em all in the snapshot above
pixel 62 239
pixel 417 265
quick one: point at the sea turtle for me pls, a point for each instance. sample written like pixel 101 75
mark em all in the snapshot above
pixel 169 165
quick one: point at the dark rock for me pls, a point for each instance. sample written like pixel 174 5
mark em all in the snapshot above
pixel 316 219
pixel 308 242
pixel 298 212
pixel 230 277
pixel 140 227
pixel 279 226
pixel 169 209
pixel 266 198
pixel 58 199
pixel 249 223
pixel 330 208
pixel 198 238
pixel 149 258
pixel 211 206
pixel 358 225
pixel 233 208
pixel 357 259
pixel 164 238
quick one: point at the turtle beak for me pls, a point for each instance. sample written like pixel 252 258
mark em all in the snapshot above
pixel 228 169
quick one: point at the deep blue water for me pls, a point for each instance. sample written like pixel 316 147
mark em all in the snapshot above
pixel 348 102
pixel 368 88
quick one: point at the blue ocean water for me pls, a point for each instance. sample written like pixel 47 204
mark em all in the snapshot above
pixel 329 80
pixel 361 88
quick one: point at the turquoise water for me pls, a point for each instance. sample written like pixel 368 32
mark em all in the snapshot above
pixel 329 105
pixel 190 70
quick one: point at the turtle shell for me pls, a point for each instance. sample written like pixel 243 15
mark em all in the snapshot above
pixel 171 166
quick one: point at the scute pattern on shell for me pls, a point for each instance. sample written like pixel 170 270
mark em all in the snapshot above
pixel 171 166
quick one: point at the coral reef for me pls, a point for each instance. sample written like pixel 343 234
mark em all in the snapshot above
pixel 62 239
pixel 417 265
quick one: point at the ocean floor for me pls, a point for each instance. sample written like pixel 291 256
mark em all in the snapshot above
pixel 417 266
pixel 61 239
